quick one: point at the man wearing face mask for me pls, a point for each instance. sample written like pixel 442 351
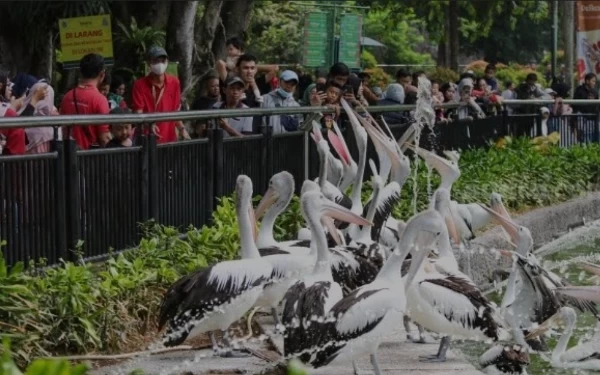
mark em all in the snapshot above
pixel 159 92
pixel 283 97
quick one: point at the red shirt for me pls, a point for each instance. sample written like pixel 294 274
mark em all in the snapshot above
pixel 149 98
pixel 15 137
pixel 89 102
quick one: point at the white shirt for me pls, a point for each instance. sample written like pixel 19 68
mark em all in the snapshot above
pixel 241 124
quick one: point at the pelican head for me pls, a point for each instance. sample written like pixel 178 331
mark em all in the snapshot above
pixel 448 169
pixel 279 193
pixel 314 206
pixel 565 316
pixel 441 203
pixel 520 236
pixel 307 186
pixel 497 205
pixel 243 202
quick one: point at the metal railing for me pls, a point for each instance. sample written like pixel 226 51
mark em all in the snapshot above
pixel 50 202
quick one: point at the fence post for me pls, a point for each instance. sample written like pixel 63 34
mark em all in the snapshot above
pixel 306 157
pixel 209 176
pixel 597 129
pixel 73 212
pixel 267 157
pixel 61 200
pixel 145 176
pixel 218 164
pixel 152 177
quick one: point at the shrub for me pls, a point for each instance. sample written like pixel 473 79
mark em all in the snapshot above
pixel 443 75
pixel 379 78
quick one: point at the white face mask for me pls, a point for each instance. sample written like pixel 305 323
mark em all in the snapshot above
pixel 159 68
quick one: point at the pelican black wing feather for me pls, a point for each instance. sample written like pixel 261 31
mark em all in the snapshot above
pixel 390 197
pixel 331 340
pixel 291 319
pixel 350 279
pixel 484 318
pixel 581 305
pixel 266 251
pixel 192 297
pixel 510 361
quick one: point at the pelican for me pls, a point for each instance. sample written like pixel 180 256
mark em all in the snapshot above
pixel 350 168
pixel 312 296
pixel 213 298
pixel 450 305
pixel 505 359
pixel 583 356
pixel 358 323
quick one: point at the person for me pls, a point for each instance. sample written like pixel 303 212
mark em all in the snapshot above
pixel 548 75
pixel 39 102
pixel 529 90
pixel 585 91
pixel 234 90
pixel 159 92
pixel 14 143
pixel 85 99
pixel 509 94
pixel 490 78
pixel 104 86
pixel 116 93
pixel 283 97
pixel 22 83
pixel 121 133
pixel 468 109
pixel 333 95
pixel 246 70
pixel 484 96
pixel 235 49
pixel 339 74
pixel 368 94
pixel 394 95
pixel 209 93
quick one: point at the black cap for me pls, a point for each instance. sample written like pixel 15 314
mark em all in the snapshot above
pixel 156 51
pixel 234 79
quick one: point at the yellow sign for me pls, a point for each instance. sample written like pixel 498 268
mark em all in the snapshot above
pixel 82 35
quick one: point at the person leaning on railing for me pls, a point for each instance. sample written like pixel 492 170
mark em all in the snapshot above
pixel 234 126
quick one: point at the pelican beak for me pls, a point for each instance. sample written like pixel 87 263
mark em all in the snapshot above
pixel 449 215
pixel 545 326
pixel 498 206
pixel 339 146
pixel 509 226
pixel 316 132
pixel 591 268
pixel 267 201
pixel 330 225
pixel 382 141
pixel 335 211
pixel 253 223
pixel 588 293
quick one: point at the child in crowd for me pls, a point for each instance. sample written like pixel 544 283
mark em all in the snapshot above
pixel 333 94
pixel 104 86
pixel 121 133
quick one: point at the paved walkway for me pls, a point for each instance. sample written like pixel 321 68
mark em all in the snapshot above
pixel 396 357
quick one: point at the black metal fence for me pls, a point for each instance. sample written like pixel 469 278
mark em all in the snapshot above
pixel 94 200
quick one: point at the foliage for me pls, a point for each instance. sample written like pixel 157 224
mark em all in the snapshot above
pixel 379 77
pixel 275 32
pixel 401 37
pixel 137 40
pixel 367 60
pixel 513 72
pixel 443 75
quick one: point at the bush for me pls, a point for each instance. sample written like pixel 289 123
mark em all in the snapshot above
pixel 443 75
pixel 367 60
pixel 379 78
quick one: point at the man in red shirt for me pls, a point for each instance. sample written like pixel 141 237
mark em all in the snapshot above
pixel 85 99
pixel 15 137
pixel 159 92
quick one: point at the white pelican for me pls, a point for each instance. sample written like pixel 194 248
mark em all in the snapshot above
pixel 213 298
pixel 312 296
pixel 450 305
pixel 358 323
pixel 505 360
pixel 583 356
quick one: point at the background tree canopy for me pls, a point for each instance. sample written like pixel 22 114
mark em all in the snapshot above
pixel 414 32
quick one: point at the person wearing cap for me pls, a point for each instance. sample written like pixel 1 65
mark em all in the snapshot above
pixel 283 97
pixel 234 91
pixel 85 99
pixel 159 92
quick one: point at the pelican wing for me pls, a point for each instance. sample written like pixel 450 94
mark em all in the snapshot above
pixel 355 315
pixel 389 197
pixel 193 297
pixel 553 282
pixel 511 359
pixel 351 271
pixel 460 302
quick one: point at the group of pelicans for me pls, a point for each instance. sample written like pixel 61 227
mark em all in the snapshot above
pixel 355 272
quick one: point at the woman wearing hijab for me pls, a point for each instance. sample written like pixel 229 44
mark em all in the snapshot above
pixel 39 102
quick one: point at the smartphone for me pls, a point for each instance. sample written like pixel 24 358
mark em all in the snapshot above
pixel 348 89
pixel 320 87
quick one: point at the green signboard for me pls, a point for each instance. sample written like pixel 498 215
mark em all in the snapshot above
pixel 318 37
pixel 350 37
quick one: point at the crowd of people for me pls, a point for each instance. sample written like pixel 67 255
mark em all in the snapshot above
pixel 240 81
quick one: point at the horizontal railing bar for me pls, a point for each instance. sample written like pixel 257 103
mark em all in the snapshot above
pixel 148 118
pixel 109 150
pixel 247 137
pixel 199 141
pixel 15 158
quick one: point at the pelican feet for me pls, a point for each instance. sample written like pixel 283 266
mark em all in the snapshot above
pixel 441 354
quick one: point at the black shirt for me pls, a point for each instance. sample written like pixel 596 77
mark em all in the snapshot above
pixel 204 102
pixel 114 143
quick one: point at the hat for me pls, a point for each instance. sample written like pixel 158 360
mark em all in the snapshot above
pixel 395 92
pixel 544 110
pixel 234 79
pixel 289 75
pixel 156 51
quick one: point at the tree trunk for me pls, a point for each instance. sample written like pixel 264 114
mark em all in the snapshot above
pixel 151 13
pixel 180 39
pixel 235 19
pixel 569 33
pixel 43 58
pixel 453 34
pixel 204 35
